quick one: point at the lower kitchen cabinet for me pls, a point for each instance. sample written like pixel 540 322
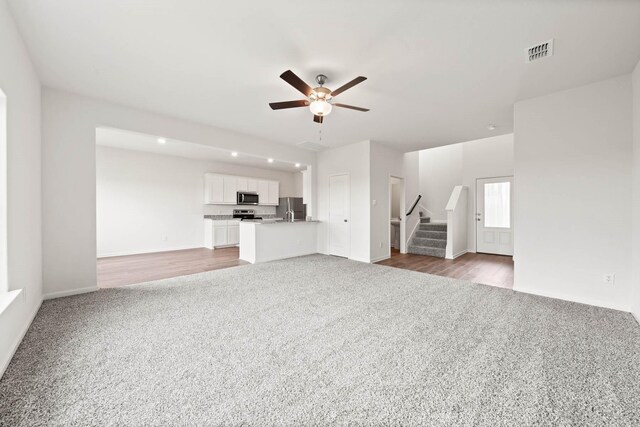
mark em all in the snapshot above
pixel 220 233
pixel 233 234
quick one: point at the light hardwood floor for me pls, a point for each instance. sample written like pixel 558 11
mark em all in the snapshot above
pixel 127 270
pixel 131 269
pixel 496 270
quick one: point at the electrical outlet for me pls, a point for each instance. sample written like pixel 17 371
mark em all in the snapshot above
pixel 609 278
pixel 380 245
pixel 165 238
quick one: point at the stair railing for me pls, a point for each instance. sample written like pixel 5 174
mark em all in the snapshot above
pixel 413 206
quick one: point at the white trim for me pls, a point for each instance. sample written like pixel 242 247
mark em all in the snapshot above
pixel 380 258
pixel 19 339
pixel 571 298
pixel 636 316
pixel 355 259
pixel 77 291
pixel 6 298
pixel 459 254
pixel 151 251
pixel 328 232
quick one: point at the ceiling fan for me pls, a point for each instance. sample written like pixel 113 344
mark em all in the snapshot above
pixel 319 98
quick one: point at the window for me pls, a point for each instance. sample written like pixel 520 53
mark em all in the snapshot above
pixel 497 205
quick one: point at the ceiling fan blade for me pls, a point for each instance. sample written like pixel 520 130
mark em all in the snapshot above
pixel 296 82
pixel 335 104
pixel 317 119
pixel 288 104
pixel 351 84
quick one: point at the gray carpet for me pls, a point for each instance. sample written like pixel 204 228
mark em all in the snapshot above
pixel 322 341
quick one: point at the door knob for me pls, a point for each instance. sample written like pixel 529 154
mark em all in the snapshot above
pixel 346 220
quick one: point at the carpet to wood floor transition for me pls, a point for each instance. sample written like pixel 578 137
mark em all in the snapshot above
pixel 322 341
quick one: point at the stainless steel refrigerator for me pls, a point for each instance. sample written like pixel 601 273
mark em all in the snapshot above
pixel 291 203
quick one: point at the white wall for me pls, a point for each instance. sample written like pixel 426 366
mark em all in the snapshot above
pixel 21 86
pixel 354 160
pixel 411 173
pixel 573 193
pixel 442 168
pixel 150 202
pixel 485 158
pixel 636 192
pixel 384 163
pixel 69 124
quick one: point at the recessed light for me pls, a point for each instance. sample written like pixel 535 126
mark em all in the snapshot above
pixel 297 165
pixel 234 153
pixel 492 127
pixel 270 160
pixel 162 141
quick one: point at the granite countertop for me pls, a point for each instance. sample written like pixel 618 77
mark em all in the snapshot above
pixel 223 217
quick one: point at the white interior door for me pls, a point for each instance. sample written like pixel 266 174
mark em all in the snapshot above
pixel 339 227
pixel 494 215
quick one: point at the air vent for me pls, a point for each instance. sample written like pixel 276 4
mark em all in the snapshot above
pixel 313 146
pixel 539 51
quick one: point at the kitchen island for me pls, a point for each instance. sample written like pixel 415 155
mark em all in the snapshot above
pixel 262 241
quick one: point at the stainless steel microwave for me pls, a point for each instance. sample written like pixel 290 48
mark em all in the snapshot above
pixel 247 198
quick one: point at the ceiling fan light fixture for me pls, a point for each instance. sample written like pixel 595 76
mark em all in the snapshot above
pixel 320 107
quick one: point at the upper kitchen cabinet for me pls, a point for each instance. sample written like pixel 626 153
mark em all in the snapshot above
pixel 213 189
pixel 263 192
pixel 274 193
pixel 230 190
pixel 223 189
pixel 269 192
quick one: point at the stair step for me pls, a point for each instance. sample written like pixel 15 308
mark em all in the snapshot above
pixel 424 219
pixel 432 226
pixel 442 235
pixel 423 250
pixel 431 243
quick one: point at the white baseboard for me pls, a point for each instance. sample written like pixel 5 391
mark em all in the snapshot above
pixel 78 291
pixel 459 254
pixel 380 258
pixel 636 316
pixel 147 251
pixel 18 340
pixel 360 259
pixel 571 298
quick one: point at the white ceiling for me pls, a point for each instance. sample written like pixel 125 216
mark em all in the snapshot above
pixel 117 138
pixel 439 71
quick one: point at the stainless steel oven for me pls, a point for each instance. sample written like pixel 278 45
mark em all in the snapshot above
pixel 247 198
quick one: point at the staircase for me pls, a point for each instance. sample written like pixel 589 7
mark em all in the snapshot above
pixel 429 239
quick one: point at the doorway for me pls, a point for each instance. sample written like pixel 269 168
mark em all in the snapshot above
pixel 396 222
pixel 339 227
pixel 494 215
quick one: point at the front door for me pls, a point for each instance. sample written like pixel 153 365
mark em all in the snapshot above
pixel 494 217
pixel 339 228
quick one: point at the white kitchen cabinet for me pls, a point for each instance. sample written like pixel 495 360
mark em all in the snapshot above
pixel 220 235
pixel 223 189
pixel 230 189
pixel 213 188
pixel 274 193
pixel 242 184
pixel 233 234
pixel 263 192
